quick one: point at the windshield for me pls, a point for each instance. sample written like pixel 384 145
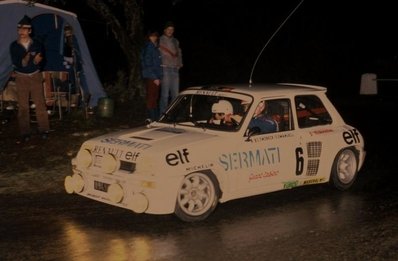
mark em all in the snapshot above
pixel 206 111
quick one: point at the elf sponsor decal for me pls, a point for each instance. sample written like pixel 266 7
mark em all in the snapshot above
pixel 351 136
pixel 128 143
pixel 264 174
pixel 118 153
pixel 290 184
pixel 178 157
pixel 131 156
pixel 250 159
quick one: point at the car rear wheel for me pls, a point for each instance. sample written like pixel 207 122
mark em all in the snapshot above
pixel 345 169
pixel 197 197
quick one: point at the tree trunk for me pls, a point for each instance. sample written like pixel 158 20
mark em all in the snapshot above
pixel 125 20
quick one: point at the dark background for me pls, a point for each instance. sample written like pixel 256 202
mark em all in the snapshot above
pixel 328 43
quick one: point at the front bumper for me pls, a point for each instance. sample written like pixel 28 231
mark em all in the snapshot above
pixel 139 193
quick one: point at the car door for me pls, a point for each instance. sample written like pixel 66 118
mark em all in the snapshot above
pixel 314 126
pixel 264 161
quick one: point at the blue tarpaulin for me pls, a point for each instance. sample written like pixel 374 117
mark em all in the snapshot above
pixel 48 25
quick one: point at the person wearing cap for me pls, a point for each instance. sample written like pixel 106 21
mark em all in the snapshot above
pixel 27 55
pixel 171 64
pixel 152 73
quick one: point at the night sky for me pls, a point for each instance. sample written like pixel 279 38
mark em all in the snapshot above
pixel 324 42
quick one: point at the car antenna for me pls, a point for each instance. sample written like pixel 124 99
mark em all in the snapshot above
pixel 269 40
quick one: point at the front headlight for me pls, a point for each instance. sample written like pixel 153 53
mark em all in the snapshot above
pixel 84 158
pixel 115 192
pixel 110 164
pixel 74 183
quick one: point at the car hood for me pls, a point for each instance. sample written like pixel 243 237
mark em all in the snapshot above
pixel 156 139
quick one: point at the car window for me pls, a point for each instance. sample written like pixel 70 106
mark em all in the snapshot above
pixel 271 116
pixel 311 111
pixel 280 110
pixel 201 110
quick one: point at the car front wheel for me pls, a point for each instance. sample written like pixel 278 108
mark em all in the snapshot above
pixel 197 197
pixel 344 170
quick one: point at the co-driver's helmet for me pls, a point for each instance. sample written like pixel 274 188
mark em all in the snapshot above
pixel 222 106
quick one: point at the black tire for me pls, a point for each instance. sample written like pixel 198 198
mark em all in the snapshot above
pixel 345 169
pixel 197 197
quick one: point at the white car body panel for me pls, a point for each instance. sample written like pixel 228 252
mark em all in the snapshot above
pixel 153 160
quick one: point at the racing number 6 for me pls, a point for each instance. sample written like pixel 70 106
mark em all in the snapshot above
pixel 299 161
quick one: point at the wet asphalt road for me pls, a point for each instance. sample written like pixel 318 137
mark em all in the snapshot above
pixel 308 223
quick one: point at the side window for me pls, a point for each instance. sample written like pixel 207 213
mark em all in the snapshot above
pixel 280 111
pixel 271 116
pixel 311 111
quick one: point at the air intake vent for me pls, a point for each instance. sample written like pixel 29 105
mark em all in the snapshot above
pixel 127 166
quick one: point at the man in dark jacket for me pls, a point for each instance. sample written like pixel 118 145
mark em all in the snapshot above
pixel 27 56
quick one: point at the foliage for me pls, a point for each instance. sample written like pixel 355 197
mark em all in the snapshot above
pixel 117 90
pixel 125 21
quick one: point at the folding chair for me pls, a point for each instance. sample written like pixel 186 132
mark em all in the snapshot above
pixel 8 95
pixel 56 91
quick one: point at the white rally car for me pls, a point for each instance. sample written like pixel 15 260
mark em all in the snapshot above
pixel 207 149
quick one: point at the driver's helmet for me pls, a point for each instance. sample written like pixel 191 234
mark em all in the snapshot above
pixel 222 106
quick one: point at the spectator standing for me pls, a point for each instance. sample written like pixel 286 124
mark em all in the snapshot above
pixel 171 63
pixel 27 56
pixel 152 73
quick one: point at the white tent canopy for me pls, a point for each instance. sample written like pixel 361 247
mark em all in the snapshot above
pixel 12 11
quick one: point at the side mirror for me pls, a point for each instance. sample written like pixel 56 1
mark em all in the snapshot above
pixel 148 122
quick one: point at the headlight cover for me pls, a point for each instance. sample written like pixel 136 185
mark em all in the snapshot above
pixel 110 164
pixel 84 158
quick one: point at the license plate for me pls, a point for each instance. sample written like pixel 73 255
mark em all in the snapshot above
pixel 101 186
